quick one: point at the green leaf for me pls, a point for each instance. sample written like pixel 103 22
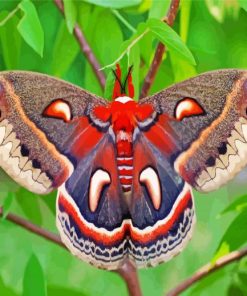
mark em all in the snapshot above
pixel 6 291
pixel 30 27
pixel 107 46
pixel 234 237
pixel 110 79
pixel 34 281
pixel 70 13
pixel 220 9
pixel 10 42
pixel 238 205
pixel 65 51
pixel 171 39
pixel 134 60
pixel 7 204
pixel 182 69
pixel 114 3
pixel 243 4
pixel 141 31
pixel 235 290
pixel 184 19
pixel 29 203
pixel 159 9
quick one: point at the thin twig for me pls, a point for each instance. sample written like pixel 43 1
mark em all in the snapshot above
pixel 157 60
pixel 85 48
pixel 127 271
pixel 33 228
pixel 207 270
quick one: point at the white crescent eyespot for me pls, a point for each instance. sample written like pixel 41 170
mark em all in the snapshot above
pixel 188 107
pixel 99 179
pixel 58 109
pixel 151 180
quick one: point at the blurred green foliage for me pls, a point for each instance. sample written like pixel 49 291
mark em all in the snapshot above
pixel 35 36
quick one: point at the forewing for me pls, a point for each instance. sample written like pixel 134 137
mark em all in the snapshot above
pixel 33 146
pixel 211 145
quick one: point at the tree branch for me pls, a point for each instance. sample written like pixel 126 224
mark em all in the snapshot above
pixel 33 228
pixel 207 270
pixel 127 271
pixel 157 60
pixel 85 48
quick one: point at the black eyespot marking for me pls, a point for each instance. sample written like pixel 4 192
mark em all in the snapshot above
pixel 24 150
pixel 210 161
pixel 36 164
pixel 222 149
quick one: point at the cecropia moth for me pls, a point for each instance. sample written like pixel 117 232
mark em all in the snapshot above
pixel 123 169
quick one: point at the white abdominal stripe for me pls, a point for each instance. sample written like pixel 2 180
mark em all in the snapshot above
pixel 149 252
pixel 17 166
pixel 229 164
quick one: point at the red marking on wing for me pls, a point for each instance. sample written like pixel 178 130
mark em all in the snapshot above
pixel 111 238
pixel 162 135
pixel 58 109
pixel 188 107
pixel 144 111
pixel 102 112
pixel 86 138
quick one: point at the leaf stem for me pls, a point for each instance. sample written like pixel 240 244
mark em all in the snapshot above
pixel 9 16
pixel 123 20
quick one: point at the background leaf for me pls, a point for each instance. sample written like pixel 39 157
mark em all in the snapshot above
pixel 34 281
pixel 10 43
pixel 7 204
pixel 234 237
pixel 30 27
pixel 65 51
pixel 70 12
pixel 171 39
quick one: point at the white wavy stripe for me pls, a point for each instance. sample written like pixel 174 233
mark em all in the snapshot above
pixel 83 248
pixel 144 231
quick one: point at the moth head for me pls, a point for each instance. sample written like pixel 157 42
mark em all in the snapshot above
pixel 59 109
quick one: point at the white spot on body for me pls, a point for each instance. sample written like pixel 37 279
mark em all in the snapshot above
pixel 124 100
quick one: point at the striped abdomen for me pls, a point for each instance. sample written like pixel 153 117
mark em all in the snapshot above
pixel 125 172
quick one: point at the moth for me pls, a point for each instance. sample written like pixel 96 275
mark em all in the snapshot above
pixel 123 169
